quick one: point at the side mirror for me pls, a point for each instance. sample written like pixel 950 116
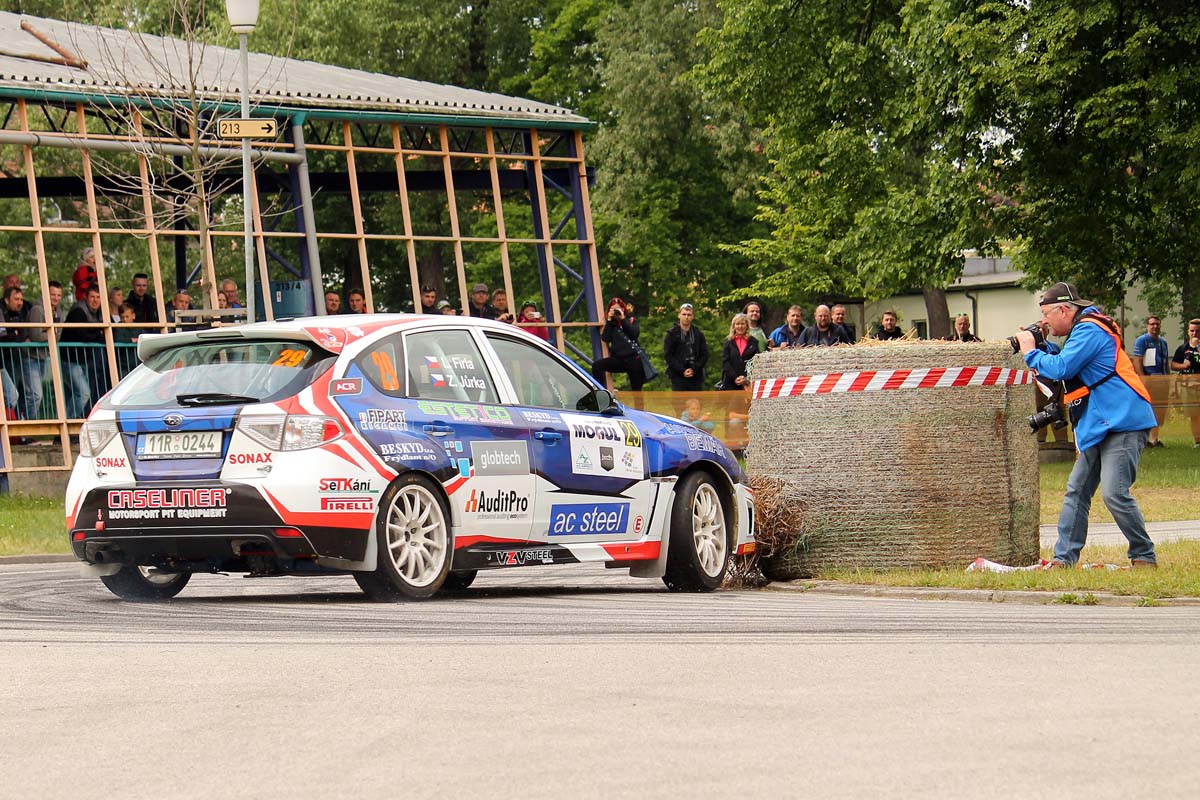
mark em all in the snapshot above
pixel 600 400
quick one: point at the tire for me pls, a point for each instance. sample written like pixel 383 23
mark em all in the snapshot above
pixel 142 585
pixel 460 580
pixel 699 548
pixel 412 532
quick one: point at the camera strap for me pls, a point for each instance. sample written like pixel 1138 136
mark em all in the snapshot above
pixel 1077 390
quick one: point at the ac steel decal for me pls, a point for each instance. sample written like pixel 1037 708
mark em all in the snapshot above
pixel 345 386
pixel 589 519
pixel 500 458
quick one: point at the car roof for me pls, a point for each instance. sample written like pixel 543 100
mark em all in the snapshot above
pixel 329 332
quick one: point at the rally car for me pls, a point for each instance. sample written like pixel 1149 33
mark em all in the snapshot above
pixel 409 451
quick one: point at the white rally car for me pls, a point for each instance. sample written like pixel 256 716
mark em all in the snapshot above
pixel 410 451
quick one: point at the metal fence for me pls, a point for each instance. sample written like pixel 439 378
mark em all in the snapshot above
pixel 28 386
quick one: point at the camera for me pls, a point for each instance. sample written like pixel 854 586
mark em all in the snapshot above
pixel 1038 338
pixel 1051 414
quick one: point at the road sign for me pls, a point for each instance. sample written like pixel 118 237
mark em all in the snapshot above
pixel 247 129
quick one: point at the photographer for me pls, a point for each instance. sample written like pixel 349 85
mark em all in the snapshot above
pixel 686 351
pixel 621 331
pixel 1111 414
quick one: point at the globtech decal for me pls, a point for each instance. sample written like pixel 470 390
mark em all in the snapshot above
pixel 605 447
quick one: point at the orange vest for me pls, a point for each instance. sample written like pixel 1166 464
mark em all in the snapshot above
pixel 1122 366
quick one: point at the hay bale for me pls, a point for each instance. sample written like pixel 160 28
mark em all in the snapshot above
pixel 920 478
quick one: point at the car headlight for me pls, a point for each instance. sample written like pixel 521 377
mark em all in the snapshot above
pixel 293 432
pixel 95 435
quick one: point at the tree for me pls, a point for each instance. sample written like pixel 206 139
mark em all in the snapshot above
pixel 877 173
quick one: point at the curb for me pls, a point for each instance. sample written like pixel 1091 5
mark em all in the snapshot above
pixel 43 558
pixel 1021 597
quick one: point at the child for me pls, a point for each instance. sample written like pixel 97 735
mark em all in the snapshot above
pixel 692 413
pixel 126 335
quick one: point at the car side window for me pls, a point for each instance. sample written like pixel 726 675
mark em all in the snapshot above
pixel 383 364
pixel 538 378
pixel 447 365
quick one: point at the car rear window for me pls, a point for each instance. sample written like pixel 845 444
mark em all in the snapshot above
pixel 257 370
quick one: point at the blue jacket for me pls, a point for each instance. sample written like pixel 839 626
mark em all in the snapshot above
pixel 1090 353
pixel 1162 354
pixel 782 335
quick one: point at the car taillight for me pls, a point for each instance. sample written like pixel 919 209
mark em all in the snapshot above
pixel 95 436
pixel 293 432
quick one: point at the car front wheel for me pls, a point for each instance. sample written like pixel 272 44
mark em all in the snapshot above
pixel 698 551
pixel 412 532
pixel 145 583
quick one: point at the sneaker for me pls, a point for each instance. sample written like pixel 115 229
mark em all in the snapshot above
pixel 1156 444
pixel 1054 564
pixel 1143 563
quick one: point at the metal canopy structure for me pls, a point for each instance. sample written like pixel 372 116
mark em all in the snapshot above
pixel 109 141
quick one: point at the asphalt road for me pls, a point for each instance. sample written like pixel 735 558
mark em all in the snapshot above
pixel 579 682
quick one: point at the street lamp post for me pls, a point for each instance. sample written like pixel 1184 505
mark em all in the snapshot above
pixel 243 18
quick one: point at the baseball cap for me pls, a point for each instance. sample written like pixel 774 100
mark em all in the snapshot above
pixel 479 287
pixel 1063 293
pixel 442 304
pixel 688 306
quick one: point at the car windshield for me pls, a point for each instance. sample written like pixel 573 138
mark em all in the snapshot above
pixel 217 372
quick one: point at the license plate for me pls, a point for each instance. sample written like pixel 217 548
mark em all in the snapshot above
pixel 179 444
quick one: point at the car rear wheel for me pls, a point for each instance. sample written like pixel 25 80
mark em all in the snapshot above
pixel 698 550
pixel 145 583
pixel 412 532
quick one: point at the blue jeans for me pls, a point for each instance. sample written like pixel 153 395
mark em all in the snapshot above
pixel 79 393
pixel 31 385
pixel 1112 464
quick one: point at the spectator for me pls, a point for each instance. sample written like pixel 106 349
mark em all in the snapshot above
pixel 696 416
pixel 181 302
pixel 789 333
pixel 357 301
pixel 145 307
pixel 754 311
pixel 822 333
pixel 500 304
pixel 621 331
pixel 1150 360
pixel 221 301
pixel 429 299
pixel 962 330
pixel 229 288
pixel 850 336
pixel 84 276
pixel 38 314
pixel 532 319
pixel 737 351
pixel 479 305
pixel 15 280
pixel 126 316
pixel 1186 362
pixel 445 309
pixel 116 298
pixel 888 328
pixel 23 361
pixel 686 351
pixel 84 367
pixel 333 303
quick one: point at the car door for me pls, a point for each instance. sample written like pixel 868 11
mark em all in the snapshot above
pixel 591 468
pixel 458 408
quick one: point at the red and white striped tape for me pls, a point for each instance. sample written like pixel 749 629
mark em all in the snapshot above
pixel 880 380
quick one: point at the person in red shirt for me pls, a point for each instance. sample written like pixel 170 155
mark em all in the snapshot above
pixel 84 277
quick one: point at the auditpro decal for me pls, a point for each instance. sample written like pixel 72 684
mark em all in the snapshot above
pixel 497 504
pixel 607 447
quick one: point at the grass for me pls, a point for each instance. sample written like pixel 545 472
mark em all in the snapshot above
pixel 1178 575
pixel 30 525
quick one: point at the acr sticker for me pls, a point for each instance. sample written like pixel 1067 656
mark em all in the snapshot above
pixel 589 519
pixel 500 458
pixel 605 447
pixel 346 386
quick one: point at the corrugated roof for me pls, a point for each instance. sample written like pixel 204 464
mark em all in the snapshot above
pixel 123 62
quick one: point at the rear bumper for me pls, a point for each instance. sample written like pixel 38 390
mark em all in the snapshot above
pixel 201 522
